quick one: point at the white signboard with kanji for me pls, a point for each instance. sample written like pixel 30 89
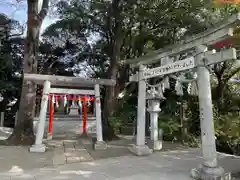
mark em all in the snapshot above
pixel 177 66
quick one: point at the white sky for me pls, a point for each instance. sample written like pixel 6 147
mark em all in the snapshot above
pixel 18 11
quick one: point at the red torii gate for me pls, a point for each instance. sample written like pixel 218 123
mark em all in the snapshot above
pixel 51 111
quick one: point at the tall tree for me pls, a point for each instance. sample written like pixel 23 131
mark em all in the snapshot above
pixel 11 55
pixel 23 132
pixel 126 29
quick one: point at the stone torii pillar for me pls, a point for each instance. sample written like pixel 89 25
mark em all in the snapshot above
pixel 140 148
pixel 39 146
pixel 100 144
pixel 209 169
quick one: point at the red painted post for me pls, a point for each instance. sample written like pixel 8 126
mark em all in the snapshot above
pixel 85 116
pixel 51 116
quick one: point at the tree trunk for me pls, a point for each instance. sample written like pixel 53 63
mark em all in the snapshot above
pixel 110 99
pixel 109 107
pixel 23 132
pixel 219 94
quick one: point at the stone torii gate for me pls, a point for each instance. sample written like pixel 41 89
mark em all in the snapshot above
pixel 201 60
pixel 48 81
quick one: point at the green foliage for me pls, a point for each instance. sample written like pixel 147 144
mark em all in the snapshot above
pixel 11 54
pixel 170 126
pixel 116 123
pixel 227 130
pixel 126 113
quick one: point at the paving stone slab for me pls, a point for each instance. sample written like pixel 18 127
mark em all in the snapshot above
pixel 75 159
pixel 52 176
pixel 69 150
pixel 78 156
pixel 5 177
pixel 69 145
pixel 79 146
pixel 85 154
pixel 70 154
pixel 76 153
pixel 54 143
pixel 58 157
pixel 69 141
pixel 156 166
pixel 23 177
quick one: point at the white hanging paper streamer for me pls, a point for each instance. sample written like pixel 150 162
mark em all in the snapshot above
pixel 160 91
pixel 79 102
pixel 194 89
pixel 149 92
pixel 57 105
pixel 194 75
pixel 166 83
pixel 152 92
pixel 189 88
pixel 73 97
pixel 65 101
pixel 178 88
pixel 88 101
pixel 53 99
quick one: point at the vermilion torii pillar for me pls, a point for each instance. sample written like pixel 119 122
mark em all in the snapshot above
pixel 51 117
pixel 85 116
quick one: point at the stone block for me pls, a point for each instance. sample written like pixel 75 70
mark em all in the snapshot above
pixel 70 154
pixel 155 145
pixel 79 147
pixel 38 148
pixel 23 177
pixel 69 150
pixel 73 111
pixel 59 157
pixel 84 135
pixel 78 156
pixel 49 137
pixel 5 177
pixel 208 173
pixel 69 144
pixel 140 150
pixel 100 145
pixel 75 159
pixel 54 143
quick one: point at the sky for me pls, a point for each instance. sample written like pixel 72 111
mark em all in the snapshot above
pixel 19 12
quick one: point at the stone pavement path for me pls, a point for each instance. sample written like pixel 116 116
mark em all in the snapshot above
pixel 171 165
pixel 68 159
pixel 75 152
pixel 14 158
pixel 68 151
